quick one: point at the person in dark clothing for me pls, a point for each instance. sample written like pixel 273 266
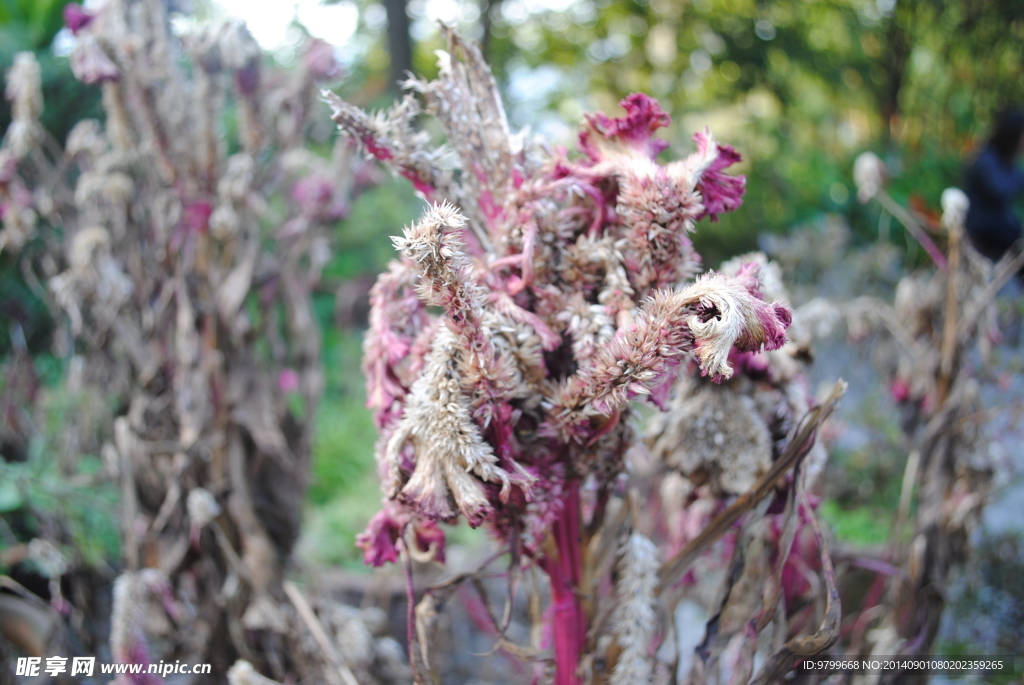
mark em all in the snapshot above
pixel 993 181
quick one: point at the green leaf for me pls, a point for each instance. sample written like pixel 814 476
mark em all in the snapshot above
pixel 10 497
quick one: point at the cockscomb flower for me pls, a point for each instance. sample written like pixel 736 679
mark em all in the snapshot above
pixel 538 295
pixel 588 254
pixel 452 458
pixel 466 381
pixel 709 317
pixel 658 205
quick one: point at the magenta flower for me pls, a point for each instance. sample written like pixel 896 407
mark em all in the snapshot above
pixel 288 380
pixel 319 58
pixel 196 216
pixel 380 541
pixel 634 132
pixel 721 192
pixel 76 17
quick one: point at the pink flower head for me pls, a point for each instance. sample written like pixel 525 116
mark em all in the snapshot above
pixel 196 216
pixel 320 60
pixel 557 294
pixel 248 78
pixel 76 17
pixel 378 541
pixel 721 192
pixel 633 132
pixel 429 540
pixel 8 167
pixel 288 380
pixel 900 390
pixel 316 197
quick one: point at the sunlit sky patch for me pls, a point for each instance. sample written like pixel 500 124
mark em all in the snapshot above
pixel 269 20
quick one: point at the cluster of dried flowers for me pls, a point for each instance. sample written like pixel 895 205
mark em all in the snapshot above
pixel 184 261
pixel 537 297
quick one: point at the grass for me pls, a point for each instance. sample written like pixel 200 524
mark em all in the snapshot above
pixel 40 493
pixel 862 485
pixel 862 526
pixel 343 492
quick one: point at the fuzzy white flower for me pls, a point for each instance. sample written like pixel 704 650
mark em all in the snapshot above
pixel 868 174
pixel 954 208
pixel 243 673
pixel 202 507
pixel 449 450
pixel 25 93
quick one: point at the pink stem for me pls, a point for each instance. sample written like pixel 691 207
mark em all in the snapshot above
pixel 569 624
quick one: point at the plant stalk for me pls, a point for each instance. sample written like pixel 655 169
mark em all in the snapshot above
pixel 568 619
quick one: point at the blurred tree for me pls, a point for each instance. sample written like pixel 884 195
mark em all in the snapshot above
pixel 799 86
pixel 30 24
pixel 399 43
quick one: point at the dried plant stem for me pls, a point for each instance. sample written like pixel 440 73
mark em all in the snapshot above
pixel 341 673
pixel 949 336
pixel 673 570
pixel 129 512
pixel 913 228
pixel 907 489
pixel 828 633
pixel 1006 268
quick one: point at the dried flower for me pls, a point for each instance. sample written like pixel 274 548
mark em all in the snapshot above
pixel 634 620
pixel 25 92
pixel 86 139
pixel 128 642
pixel 90 63
pixel 715 434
